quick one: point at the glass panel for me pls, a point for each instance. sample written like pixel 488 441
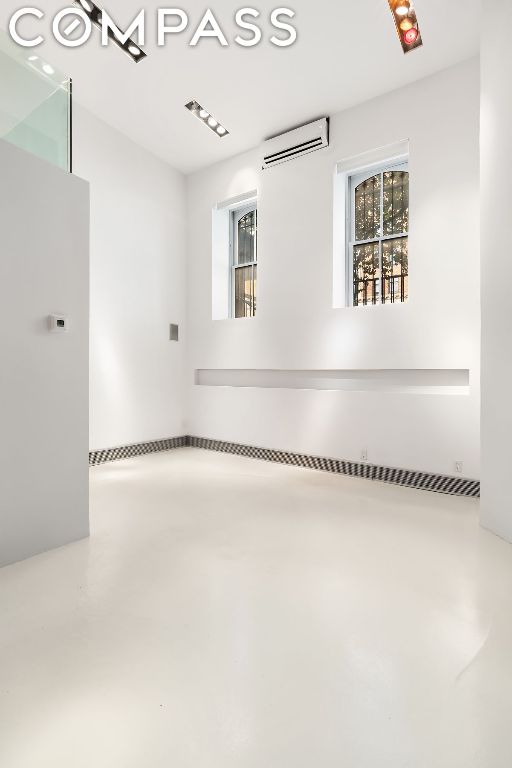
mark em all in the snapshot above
pixel 395 270
pixel 34 104
pixel 245 291
pixel 366 274
pixel 367 209
pixel 396 202
pixel 247 238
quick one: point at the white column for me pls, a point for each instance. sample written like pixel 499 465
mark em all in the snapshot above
pixel 496 214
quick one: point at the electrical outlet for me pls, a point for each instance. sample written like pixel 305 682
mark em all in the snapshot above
pixel 459 466
pixel 364 454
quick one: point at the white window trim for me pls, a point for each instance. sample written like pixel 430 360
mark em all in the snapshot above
pixel 236 214
pixel 237 201
pixel 375 158
pixel 352 180
pixel 221 255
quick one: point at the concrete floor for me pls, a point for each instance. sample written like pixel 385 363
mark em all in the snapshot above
pixel 230 613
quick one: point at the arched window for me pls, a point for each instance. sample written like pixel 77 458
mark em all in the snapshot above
pixel 379 229
pixel 244 245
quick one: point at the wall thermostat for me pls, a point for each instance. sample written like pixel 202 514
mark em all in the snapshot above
pixel 58 323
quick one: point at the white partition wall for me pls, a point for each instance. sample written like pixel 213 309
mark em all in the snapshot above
pixel 138 287
pixel 44 269
pixel 496 170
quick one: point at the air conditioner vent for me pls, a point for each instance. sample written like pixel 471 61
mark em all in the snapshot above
pixel 293 144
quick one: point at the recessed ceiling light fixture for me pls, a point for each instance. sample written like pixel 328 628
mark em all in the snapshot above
pixel 402 9
pixel 131 48
pixel 406 24
pixel 205 117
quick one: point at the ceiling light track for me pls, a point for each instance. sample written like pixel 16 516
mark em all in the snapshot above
pixel 130 47
pixel 406 23
pixel 207 118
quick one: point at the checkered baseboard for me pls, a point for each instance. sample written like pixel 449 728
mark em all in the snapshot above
pixel 283 457
pixel 454 486
pixel 138 449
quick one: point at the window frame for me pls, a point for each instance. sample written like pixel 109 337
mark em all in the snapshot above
pixel 353 180
pixel 235 215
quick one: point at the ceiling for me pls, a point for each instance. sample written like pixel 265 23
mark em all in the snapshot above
pixel 347 52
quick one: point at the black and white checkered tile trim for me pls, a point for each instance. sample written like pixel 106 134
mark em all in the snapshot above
pixel 283 457
pixel 455 486
pixel 138 449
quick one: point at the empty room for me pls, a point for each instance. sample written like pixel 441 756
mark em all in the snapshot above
pixel 255 384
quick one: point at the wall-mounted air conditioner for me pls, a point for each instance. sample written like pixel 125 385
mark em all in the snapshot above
pixel 293 144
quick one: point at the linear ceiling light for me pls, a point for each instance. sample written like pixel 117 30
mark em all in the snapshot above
pixel 406 24
pixel 131 48
pixel 205 117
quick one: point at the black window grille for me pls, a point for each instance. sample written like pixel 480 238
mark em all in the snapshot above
pixel 380 237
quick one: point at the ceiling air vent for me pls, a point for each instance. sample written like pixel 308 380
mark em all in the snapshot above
pixel 293 144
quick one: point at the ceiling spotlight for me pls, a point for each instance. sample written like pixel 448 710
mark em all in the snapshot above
pixel 95 14
pixel 402 9
pixel 411 36
pixel 133 51
pixel 406 24
pixel 207 118
pixel 48 69
pixel 33 58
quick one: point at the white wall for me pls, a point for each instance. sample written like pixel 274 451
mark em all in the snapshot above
pixel 296 326
pixel 44 269
pixel 496 168
pixel 137 286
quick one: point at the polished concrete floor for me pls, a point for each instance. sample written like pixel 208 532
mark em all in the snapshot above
pixel 230 613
